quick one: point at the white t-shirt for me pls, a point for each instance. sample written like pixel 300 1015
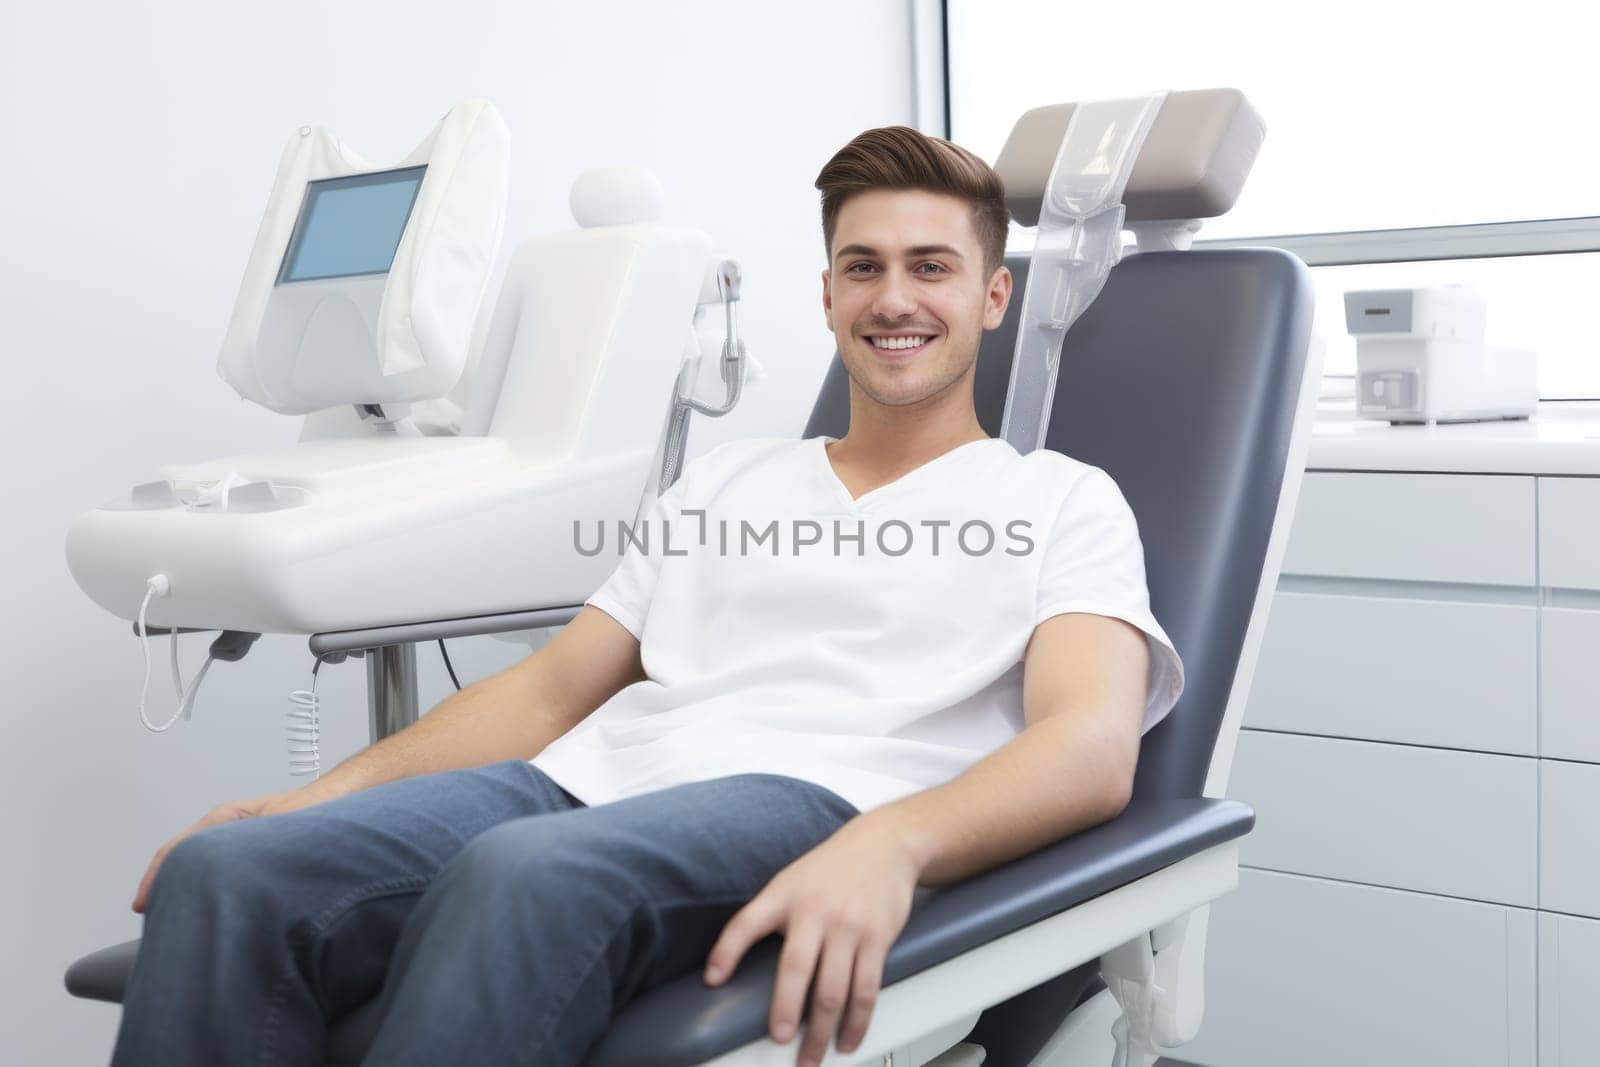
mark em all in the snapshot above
pixel 873 647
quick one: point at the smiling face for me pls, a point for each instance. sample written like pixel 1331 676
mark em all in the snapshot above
pixel 907 294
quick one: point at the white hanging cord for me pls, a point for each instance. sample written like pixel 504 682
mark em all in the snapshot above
pixel 158 585
pixel 186 694
pixel 305 728
pixel 186 705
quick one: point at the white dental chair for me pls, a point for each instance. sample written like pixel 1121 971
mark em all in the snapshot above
pixel 1191 380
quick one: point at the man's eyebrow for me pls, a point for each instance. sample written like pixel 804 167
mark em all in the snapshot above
pixel 919 250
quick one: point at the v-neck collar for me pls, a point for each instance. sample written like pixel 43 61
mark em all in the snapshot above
pixel 832 476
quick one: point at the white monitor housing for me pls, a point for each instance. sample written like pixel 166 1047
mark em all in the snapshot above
pixel 365 281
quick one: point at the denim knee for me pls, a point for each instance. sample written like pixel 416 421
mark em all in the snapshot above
pixel 210 864
pixel 543 854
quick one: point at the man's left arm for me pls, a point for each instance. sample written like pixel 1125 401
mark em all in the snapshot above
pixel 841 905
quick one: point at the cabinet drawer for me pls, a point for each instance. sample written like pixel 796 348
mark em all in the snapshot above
pixel 1470 528
pixel 1459 823
pixel 1569 989
pixel 1323 974
pixel 1569 840
pixel 1422 672
pixel 1569 684
pixel 1569 530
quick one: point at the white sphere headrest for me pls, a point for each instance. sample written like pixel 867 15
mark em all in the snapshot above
pixel 617 196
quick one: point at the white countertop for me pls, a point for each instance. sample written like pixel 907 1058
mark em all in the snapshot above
pixel 1563 438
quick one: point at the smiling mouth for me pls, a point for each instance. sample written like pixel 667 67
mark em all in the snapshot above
pixel 900 347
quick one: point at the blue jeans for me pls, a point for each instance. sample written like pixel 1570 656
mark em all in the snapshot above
pixel 501 920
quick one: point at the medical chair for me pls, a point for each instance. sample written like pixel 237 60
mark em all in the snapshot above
pixel 1191 380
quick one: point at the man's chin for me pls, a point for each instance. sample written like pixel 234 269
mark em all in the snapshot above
pixel 899 393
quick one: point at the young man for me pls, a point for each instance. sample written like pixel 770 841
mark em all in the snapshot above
pixel 848 669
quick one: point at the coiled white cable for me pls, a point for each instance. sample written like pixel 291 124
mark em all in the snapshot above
pixel 158 585
pixel 305 725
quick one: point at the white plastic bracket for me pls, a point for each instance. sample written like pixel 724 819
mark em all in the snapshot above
pixel 1079 241
pixel 1158 980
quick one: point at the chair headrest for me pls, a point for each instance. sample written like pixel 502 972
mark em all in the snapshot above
pixel 1193 164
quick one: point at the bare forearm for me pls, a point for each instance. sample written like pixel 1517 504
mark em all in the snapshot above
pixel 499 718
pixel 1057 777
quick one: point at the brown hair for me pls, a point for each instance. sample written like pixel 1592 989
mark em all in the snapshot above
pixel 898 157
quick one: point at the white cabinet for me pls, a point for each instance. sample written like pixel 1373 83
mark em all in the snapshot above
pixel 1463 824
pixel 1328 974
pixel 1472 529
pixel 1569 530
pixel 1569 838
pixel 1569 991
pixel 1422 747
pixel 1569 714
pixel 1569 560
pixel 1382 667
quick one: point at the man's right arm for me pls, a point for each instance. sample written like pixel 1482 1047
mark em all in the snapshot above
pixel 512 715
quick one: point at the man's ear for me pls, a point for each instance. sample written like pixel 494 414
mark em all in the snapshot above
pixel 827 297
pixel 998 298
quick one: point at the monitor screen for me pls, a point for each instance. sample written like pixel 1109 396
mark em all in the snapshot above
pixel 350 226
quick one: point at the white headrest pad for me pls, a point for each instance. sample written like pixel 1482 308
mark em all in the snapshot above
pixel 1192 166
pixel 617 196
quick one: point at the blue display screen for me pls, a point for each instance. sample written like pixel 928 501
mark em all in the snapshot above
pixel 350 226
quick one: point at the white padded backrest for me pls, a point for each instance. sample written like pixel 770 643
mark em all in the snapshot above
pixel 1192 166
pixel 390 337
pixel 591 327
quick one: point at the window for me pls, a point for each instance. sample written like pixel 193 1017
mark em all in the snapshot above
pixel 1380 116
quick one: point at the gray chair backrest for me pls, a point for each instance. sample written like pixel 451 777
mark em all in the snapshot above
pixel 1180 381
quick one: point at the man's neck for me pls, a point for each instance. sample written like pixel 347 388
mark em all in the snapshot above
pixel 887 449
pixel 882 443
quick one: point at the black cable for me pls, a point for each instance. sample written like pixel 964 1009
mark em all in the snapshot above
pixel 944 64
pixel 446 654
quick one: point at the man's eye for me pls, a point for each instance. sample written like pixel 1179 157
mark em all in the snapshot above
pixel 930 268
pixel 858 268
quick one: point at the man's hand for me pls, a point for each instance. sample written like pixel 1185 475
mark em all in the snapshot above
pixel 840 907
pixel 229 812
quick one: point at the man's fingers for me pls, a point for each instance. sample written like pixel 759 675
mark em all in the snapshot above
pixel 143 891
pixel 749 924
pixel 142 895
pixel 828 996
pixel 863 993
pixel 796 965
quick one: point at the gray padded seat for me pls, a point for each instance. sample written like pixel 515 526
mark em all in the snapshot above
pixel 1181 381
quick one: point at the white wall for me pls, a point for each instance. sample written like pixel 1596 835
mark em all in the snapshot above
pixel 139 144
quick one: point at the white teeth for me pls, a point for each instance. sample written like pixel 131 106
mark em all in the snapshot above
pixel 898 342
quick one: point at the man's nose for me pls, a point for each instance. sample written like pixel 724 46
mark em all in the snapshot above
pixel 895 298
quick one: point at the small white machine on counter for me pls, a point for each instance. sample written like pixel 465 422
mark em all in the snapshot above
pixel 1421 358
